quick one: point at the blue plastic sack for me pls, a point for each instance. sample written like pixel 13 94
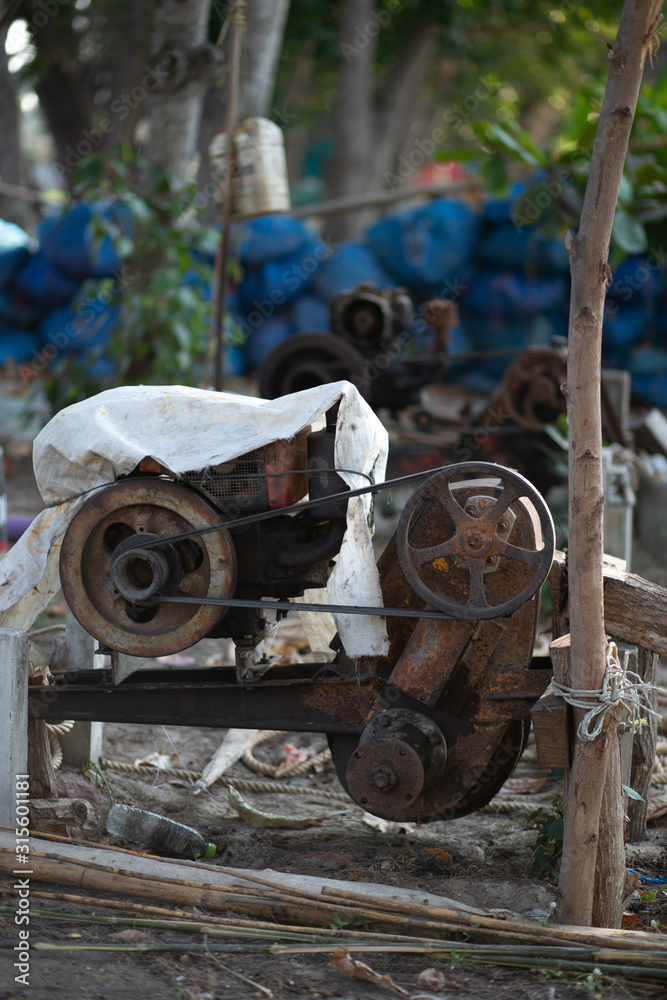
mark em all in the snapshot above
pixel 624 327
pixel 44 284
pixel 488 332
pixel 81 329
pixel 509 295
pixel 17 345
pixel 310 314
pixel 18 311
pixel 68 241
pixel 272 236
pixel 636 279
pixel 279 281
pixel 425 247
pixel 523 248
pixel 14 243
pixel 351 265
pixel 264 337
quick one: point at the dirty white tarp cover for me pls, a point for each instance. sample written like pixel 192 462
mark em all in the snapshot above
pixel 89 444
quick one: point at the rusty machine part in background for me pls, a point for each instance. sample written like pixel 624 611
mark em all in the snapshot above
pixel 428 731
pixel 370 319
pixel 365 346
pixel 531 388
pixel 310 359
pixel 107 578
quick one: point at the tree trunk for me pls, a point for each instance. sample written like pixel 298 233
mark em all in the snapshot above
pixel 587 840
pixel 266 27
pixel 181 54
pixel 354 125
pixel 11 209
pixel 70 89
pixel 398 103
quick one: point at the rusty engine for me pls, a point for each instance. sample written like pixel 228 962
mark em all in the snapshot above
pixel 430 730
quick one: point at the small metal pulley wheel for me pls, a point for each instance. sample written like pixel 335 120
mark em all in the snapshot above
pixel 112 583
pixel 449 566
pixel 530 390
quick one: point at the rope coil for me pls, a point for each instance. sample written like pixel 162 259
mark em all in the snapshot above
pixel 620 686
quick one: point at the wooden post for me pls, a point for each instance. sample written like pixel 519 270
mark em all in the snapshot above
pixel 643 752
pixel 13 719
pixel 84 741
pixel 593 834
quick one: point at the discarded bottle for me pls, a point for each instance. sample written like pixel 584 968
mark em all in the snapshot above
pixel 152 830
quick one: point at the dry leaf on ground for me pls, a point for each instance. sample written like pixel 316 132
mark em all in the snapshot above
pixel 129 935
pixel 343 962
pixel 254 817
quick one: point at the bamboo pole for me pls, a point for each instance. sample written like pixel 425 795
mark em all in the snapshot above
pixel 587 841
pixel 408 919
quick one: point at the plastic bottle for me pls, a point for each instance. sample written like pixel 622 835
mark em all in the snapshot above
pixel 152 830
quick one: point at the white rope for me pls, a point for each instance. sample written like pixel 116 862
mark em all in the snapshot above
pixel 620 686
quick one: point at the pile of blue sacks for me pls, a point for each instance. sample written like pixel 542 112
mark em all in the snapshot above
pixel 511 282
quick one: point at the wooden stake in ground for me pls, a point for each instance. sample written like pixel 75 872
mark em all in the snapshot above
pixel 591 846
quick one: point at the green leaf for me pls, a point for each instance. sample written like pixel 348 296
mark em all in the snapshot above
pixel 628 233
pixel 521 149
pixel 625 192
pixel 632 794
pixel 495 175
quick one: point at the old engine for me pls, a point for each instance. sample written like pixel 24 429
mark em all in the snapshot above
pixel 428 730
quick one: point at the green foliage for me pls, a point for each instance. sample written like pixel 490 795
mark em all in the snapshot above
pixel 93 773
pixel 162 284
pixel 548 846
pixel 556 175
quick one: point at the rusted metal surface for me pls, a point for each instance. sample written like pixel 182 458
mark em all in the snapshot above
pixel 530 391
pixel 467 664
pixel 302 701
pixel 431 653
pixel 385 776
pixel 95 560
pixel 446 564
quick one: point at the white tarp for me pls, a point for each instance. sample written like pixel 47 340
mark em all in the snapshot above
pixel 89 444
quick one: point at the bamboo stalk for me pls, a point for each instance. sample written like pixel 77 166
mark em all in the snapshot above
pixel 161 911
pixel 390 915
pixel 260 949
pixel 444 950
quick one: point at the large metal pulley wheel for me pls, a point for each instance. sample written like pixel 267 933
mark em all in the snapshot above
pixel 307 360
pixel 480 564
pixel 112 584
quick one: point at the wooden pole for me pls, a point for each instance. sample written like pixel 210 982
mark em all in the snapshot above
pixel 588 842
pixel 238 26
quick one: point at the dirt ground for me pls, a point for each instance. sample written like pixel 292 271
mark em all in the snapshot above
pixel 485 859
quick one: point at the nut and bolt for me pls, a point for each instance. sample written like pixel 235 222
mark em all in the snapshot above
pixel 383 778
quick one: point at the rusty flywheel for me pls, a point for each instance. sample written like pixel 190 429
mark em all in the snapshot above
pixel 109 580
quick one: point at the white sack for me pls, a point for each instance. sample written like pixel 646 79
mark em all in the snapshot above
pixel 89 444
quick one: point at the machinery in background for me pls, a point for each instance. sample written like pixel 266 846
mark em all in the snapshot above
pixel 366 346
pixel 369 330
